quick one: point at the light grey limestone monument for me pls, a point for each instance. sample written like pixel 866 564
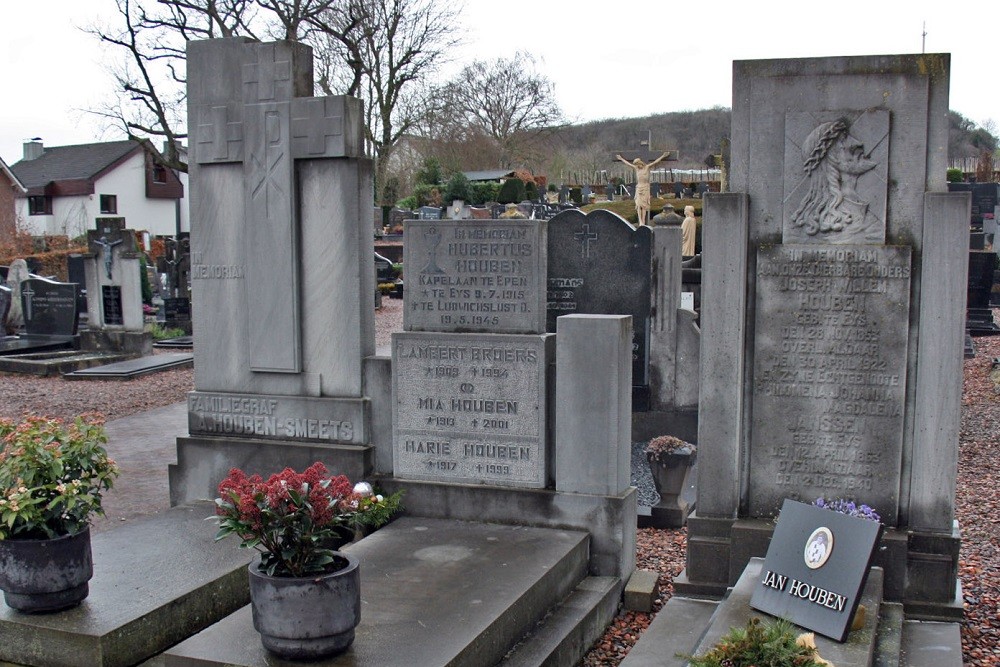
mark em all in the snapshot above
pixel 475 411
pixel 281 268
pixel 593 403
pixel 834 282
pixel 17 274
pixel 114 282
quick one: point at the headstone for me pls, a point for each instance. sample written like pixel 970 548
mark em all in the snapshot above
pixel 177 313
pixel 77 272
pixel 979 312
pixel 819 297
pixel 5 298
pixel 281 267
pixel 563 194
pixel 471 407
pixel 50 307
pixel 600 264
pixel 485 276
pixel 383 269
pixel 429 213
pixel 816 568
pixel 398 215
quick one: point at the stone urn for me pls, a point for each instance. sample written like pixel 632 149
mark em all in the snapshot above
pixel 46 575
pixel 670 461
pixel 307 618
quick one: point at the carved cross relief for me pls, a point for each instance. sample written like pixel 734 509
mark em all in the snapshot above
pixel 271 125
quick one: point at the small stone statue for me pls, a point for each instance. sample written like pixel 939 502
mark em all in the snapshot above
pixel 108 254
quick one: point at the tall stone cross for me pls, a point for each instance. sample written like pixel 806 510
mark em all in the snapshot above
pixel 250 103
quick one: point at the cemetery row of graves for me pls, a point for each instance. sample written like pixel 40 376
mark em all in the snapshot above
pixel 820 355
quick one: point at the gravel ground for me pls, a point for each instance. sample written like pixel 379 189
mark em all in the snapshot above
pixel 977 507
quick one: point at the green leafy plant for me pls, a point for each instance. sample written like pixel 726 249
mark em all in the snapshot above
pixel 160 332
pixel 457 188
pixel 296 520
pixel 760 644
pixel 52 475
pixel 955 175
pixel 511 192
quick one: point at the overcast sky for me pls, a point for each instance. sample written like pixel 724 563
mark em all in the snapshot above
pixel 607 59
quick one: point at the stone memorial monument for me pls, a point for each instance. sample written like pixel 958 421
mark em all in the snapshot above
pixel 281 262
pixel 16 274
pixel 114 284
pixel 50 307
pixel 835 266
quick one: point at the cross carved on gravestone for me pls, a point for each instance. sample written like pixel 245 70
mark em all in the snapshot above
pixel 27 295
pixel 585 237
pixel 251 104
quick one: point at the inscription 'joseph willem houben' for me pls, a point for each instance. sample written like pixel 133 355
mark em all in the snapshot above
pixel 830 343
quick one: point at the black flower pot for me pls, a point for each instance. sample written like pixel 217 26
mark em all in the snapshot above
pixel 307 618
pixel 39 576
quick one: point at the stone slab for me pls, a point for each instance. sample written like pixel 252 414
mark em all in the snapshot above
pixel 50 307
pixel 433 593
pixel 133 368
pixel 610 520
pixel 56 362
pixel 927 644
pixel 672 634
pixel 156 581
pixel 562 637
pixel 830 348
pixel 735 611
pixel 179 342
pixel 467 276
pixel 25 344
pixel 297 418
pixel 471 408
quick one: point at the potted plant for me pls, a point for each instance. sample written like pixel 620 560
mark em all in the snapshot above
pixel 305 595
pixel 52 478
pixel 670 459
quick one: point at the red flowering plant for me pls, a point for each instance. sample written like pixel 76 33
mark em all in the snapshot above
pixel 294 519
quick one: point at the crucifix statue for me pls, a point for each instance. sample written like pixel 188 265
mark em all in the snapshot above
pixel 106 247
pixel 642 184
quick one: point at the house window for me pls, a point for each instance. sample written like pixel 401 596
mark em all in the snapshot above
pixel 109 204
pixel 159 173
pixel 39 205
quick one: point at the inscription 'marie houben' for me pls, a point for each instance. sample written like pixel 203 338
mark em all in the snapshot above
pixel 829 373
pixel 470 409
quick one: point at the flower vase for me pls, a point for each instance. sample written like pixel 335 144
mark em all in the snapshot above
pixel 670 472
pixel 41 576
pixel 307 618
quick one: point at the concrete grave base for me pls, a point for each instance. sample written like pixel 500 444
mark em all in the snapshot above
pixel 687 626
pixel 56 362
pixel 202 462
pixel 610 520
pixel 920 569
pixel 155 582
pixel 137 343
pixel 440 592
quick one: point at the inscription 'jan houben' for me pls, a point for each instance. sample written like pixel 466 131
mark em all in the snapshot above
pixel 829 372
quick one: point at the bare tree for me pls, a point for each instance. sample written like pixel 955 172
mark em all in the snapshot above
pixel 382 51
pixel 508 100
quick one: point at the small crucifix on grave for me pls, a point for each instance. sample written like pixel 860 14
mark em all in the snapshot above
pixel 106 249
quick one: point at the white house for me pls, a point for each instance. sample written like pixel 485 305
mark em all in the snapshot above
pixel 69 186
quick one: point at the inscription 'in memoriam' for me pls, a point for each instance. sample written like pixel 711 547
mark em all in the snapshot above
pixel 475 276
pixel 829 374
pixel 470 409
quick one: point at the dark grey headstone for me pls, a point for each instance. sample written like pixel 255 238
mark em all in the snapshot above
pixel 816 568
pixel 77 274
pixel 383 269
pixel 829 377
pixel 50 308
pixel 398 215
pixel 5 297
pixel 599 264
pixel 429 213
pixel 177 309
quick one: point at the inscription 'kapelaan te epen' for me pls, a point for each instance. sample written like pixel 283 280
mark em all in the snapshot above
pixel 829 374
pixel 469 276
